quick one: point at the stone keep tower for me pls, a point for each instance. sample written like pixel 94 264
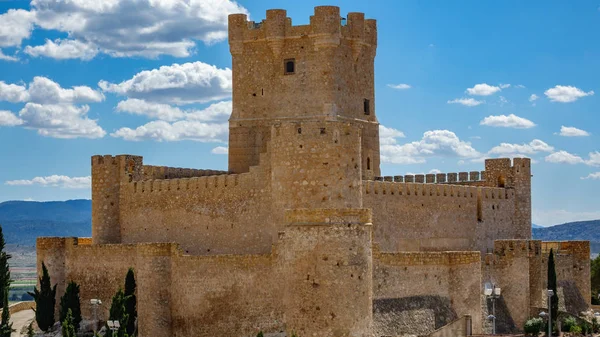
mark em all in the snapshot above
pixel 323 71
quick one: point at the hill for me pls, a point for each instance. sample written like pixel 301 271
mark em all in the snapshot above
pixel 23 221
pixel 580 230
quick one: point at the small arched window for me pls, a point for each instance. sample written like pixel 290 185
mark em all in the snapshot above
pixel 290 66
pixel 368 163
pixel 501 181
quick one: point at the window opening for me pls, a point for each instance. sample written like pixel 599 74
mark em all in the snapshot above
pixel 367 106
pixel 290 66
pixel 368 163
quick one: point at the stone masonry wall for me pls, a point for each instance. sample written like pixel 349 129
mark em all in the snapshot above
pixel 418 292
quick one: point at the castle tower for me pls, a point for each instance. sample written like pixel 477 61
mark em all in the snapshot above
pixel 326 264
pixel 320 71
pixel 108 173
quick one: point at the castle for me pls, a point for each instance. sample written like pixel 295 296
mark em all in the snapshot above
pixel 302 233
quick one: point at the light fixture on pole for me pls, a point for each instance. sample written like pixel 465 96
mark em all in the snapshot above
pixel 492 291
pixel 113 325
pixel 95 303
pixel 550 294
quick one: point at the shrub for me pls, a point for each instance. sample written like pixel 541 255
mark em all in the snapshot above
pixel 575 329
pixel 567 323
pixel 70 302
pixel 30 332
pixel 260 334
pixel 595 325
pixel 534 326
pixel 68 326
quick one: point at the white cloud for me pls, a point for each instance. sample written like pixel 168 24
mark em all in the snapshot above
pixel 504 86
pixel 387 136
pixel 520 86
pixel 564 157
pixel 15 26
pixel 401 86
pixel 4 57
pixel 63 50
pixel 594 159
pixel 570 131
pixel 483 89
pixel 44 90
pixel 434 171
pixel 220 150
pixel 513 150
pixel 147 28
pixel 54 181
pixel 160 111
pixel 170 132
pixel 466 101
pixel 433 143
pixel 510 121
pixel 533 97
pixel 187 83
pixel 60 121
pixel 13 93
pixel 7 118
pixel 552 217
pixel 566 94
pixel 594 176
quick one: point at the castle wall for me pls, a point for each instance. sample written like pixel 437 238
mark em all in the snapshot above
pixel 419 292
pixel 223 214
pixel 151 172
pixel 440 217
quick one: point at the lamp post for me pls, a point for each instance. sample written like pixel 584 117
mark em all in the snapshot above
pixel 95 303
pixel 114 325
pixel 550 294
pixel 492 291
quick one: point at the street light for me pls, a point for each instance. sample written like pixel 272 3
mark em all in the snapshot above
pixel 95 303
pixel 113 325
pixel 550 294
pixel 493 292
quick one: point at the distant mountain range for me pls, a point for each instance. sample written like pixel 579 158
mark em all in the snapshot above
pixel 23 221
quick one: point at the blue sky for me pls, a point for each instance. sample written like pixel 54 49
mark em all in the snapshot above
pixel 456 82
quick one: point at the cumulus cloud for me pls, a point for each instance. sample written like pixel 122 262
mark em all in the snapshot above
pixel 186 83
pixel 482 89
pixel 434 143
pixel 146 28
pixel 533 97
pixel 54 181
pixel 466 101
pixel 44 90
pixel 15 26
pixel 13 93
pixel 387 136
pixel 219 111
pixel 63 50
pixel 170 132
pixel 566 94
pixel 570 131
pixel 60 121
pixel 401 86
pixel 220 150
pixel 7 118
pixel 510 121
pixel 594 176
pixel 564 157
pixel 516 150
pixel 4 57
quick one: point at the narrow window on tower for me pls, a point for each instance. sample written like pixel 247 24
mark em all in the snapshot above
pixel 290 66
pixel 368 163
pixel 367 106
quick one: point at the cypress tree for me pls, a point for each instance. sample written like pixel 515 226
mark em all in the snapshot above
pixel 4 268
pixel 70 302
pixel 5 325
pixel 131 301
pixel 30 332
pixel 68 326
pixel 552 286
pixel 45 300
pixel 118 313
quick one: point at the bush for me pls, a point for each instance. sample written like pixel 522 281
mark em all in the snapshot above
pixel 575 329
pixel 595 325
pixel 568 323
pixel 260 334
pixel 534 326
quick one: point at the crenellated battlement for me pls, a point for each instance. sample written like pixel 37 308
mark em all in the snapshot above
pixel 190 184
pixel 164 172
pixel 439 178
pixel 439 190
pixel 326 27
pixel 427 258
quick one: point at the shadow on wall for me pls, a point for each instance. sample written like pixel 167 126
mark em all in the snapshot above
pixel 504 321
pixel 415 315
pixel 574 302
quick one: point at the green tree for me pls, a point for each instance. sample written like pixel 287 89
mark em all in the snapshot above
pixel 118 313
pixel 30 332
pixel 131 301
pixel 68 326
pixel 70 302
pixel 5 325
pixel 4 268
pixel 260 334
pixel 45 300
pixel 595 279
pixel 552 286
